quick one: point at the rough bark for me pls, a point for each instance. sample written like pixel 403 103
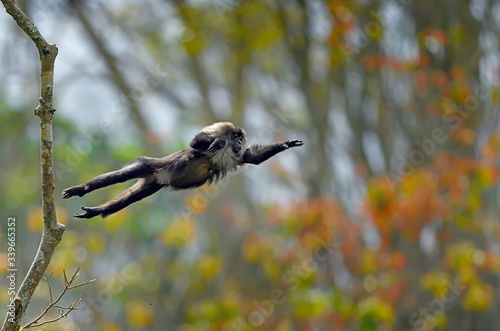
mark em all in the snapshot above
pixel 52 230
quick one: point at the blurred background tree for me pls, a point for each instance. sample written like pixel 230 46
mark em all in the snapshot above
pixel 388 220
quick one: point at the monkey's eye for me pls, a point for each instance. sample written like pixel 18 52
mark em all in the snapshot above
pixel 236 135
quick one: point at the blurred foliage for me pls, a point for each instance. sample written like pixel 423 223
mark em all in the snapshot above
pixel 387 219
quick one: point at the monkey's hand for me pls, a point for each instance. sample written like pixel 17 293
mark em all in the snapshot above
pixel 75 190
pixel 217 145
pixel 89 212
pixel 293 143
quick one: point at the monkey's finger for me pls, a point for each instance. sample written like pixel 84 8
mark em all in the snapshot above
pixel 294 143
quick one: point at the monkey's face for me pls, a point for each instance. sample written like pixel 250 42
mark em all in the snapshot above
pixel 239 140
pixel 234 136
pixel 232 141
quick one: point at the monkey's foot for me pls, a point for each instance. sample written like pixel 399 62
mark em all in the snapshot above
pixel 89 212
pixel 72 191
pixel 294 143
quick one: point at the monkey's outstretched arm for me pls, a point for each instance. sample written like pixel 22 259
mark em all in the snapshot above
pixel 140 167
pixel 136 192
pixel 256 154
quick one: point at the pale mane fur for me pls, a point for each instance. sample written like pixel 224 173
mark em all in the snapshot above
pixel 225 158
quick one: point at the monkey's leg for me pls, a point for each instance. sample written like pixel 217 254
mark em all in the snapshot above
pixel 136 192
pixel 257 154
pixel 140 167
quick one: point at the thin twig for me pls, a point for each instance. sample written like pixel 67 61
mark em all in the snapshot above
pixel 48 284
pixel 82 284
pixel 70 309
pixel 66 278
pixel 53 304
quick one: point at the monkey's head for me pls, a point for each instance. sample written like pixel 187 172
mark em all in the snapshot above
pixel 224 143
pixel 234 136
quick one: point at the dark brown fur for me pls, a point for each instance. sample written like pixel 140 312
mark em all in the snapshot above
pixel 217 149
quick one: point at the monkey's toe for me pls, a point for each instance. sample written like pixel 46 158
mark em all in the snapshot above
pixel 72 191
pixel 89 212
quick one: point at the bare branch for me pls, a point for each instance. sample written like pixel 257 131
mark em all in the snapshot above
pixel 52 230
pixel 53 304
pixel 65 278
pixel 48 284
pixel 81 284
pixel 63 314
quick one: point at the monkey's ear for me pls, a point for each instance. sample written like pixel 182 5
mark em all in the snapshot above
pixel 201 142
